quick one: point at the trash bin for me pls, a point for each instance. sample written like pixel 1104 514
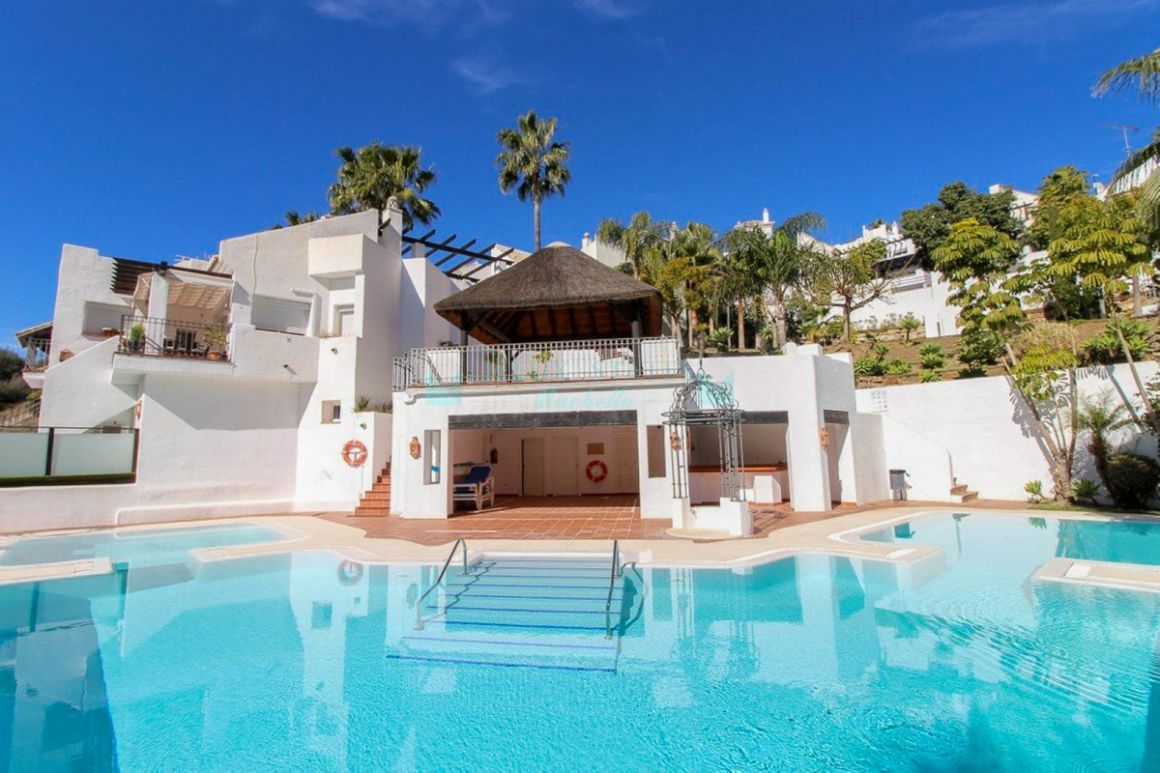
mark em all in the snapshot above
pixel 898 485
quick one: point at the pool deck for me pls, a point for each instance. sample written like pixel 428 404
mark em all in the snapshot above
pixel 789 535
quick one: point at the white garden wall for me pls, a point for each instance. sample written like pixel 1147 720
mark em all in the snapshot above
pixel 983 426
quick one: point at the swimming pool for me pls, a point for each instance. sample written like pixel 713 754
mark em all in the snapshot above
pixel 136 547
pixel 810 663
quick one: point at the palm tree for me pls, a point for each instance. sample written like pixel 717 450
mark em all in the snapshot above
pixel 373 174
pixel 771 265
pixel 637 240
pixel 696 247
pixel 1143 72
pixel 532 162
pixel 294 218
pixel 1100 418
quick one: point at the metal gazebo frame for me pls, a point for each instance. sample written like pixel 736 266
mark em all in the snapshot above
pixel 701 401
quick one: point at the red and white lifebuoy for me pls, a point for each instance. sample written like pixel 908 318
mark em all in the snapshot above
pixel 596 471
pixel 354 453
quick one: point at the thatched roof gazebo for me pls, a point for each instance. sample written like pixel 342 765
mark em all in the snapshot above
pixel 555 294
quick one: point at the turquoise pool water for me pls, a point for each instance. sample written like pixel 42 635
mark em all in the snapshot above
pixel 136 547
pixel 815 663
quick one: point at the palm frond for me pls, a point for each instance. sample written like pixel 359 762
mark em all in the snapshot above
pixel 1143 72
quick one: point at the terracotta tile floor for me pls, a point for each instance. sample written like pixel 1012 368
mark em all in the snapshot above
pixel 590 517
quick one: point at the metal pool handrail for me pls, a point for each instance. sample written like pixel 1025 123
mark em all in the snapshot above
pixel 613 574
pixel 459 543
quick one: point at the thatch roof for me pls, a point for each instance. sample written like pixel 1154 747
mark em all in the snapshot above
pixel 556 293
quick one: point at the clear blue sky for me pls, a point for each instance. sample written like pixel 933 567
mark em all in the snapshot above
pixel 150 129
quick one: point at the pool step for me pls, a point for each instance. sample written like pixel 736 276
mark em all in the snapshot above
pixel 522 613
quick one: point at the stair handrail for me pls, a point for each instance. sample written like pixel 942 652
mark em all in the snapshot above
pixel 613 574
pixel 459 543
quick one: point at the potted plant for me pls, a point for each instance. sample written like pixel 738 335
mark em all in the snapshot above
pixel 216 337
pixel 137 337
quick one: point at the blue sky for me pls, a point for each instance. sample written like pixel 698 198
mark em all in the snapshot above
pixel 154 129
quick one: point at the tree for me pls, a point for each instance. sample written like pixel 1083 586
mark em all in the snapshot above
pixel 975 259
pixel 1098 245
pixel 849 281
pixel 293 218
pixel 533 162
pixel 1143 72
pixel 770 266
pixel 910 324
pixel 1042 368
pixel 695 247
pixel 1057 190
pixel 370 176
pixel 1040 360
pixel 930 225
pixel 1100 418
pixel 638 240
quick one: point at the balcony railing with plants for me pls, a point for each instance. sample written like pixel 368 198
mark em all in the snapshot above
pixel 36 354
pixel 608 359
pixel 157 337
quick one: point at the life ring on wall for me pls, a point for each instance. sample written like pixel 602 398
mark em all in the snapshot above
pixel 350 572
pixel 596 471
pixel 354 453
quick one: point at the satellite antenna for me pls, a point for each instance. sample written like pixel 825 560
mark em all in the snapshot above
pixel 1125 130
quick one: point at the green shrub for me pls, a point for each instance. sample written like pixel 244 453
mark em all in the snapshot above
pixel 721 339
pixel 927 376
pixel 14 390
pixel 867 366
pixel 1106 347
pixel 1034 489
pixel 910 324
pixel 1132 479
pixel 897 367
pixel 1084 491
pixel 979 349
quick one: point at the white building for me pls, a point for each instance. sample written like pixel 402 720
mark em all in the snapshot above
pixel 261 380
pixel 300 365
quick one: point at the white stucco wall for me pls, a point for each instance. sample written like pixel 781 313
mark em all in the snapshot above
pixel 982 426
pixel 84 277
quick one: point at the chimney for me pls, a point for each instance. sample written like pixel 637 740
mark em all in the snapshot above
pixel 584 242
pixel 765 215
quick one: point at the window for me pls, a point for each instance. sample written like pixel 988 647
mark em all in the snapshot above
pixel 432 456
pixel 331 411
pixel 102 316
pixel 655 434
pixel 280 315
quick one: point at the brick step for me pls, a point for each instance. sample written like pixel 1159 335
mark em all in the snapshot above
pixel 959 488
pixel 970 496
pixel 367 510
pixel 376 500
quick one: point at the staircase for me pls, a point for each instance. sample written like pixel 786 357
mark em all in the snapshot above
pixel 545 613
pixel 961 494
pixel 377 501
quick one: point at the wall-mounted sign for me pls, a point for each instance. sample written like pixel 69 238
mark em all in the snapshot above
pixel 415 448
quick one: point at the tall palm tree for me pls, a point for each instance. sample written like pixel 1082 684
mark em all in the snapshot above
pixel 771 265
pixel 1142 72
pixel 696 247
pixel 532 162
pixel 637 240
pixel 371 175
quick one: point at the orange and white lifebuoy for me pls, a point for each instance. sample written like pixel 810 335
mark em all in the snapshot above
pixel 596 471
pixel 354 453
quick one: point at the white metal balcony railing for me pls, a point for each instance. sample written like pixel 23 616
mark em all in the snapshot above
pixel 607 359
pixel 36 354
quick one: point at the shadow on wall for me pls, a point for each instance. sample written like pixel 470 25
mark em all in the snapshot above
pixel 238 406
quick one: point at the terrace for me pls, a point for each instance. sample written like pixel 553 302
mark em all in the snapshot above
pixel 177 312
pixel 608 359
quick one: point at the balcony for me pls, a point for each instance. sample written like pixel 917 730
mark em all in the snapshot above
pixel 610 359
pixel 159 337
pixel 36 354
